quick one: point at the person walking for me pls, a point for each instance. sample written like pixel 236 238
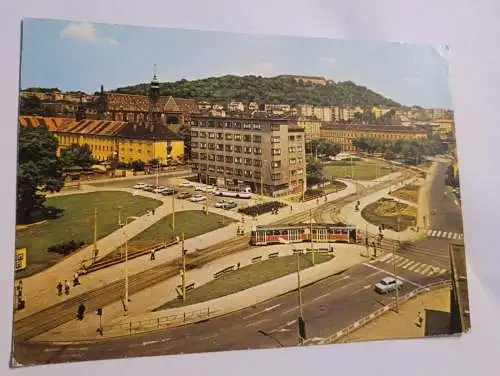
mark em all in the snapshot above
pixel 66 287
pixel 154 211
pixel 291 209
pixel 59 288
pixel 20 288
pixel 80 312
pixel 76 279
pixel 152 254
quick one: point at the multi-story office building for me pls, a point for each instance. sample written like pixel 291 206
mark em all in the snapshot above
pixel 263 153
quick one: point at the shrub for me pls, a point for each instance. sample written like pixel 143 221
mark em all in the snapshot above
pixel 263 208
pixel 65 248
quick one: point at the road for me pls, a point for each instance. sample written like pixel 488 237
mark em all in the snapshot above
pixel 328 306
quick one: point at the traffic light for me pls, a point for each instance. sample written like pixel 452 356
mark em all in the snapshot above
pixel 99 311
pixel 302 328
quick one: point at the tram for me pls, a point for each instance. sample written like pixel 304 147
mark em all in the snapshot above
pixel 297 233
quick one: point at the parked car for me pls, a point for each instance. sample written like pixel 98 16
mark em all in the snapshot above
pixel 159 189
pixel 388 284
pixel 197 198
pixel 186 184
pixel 229 205
pixel 220 204
pixel 149 188
pixel 184 195
pixel 168 192
pixel 140 186
pixel 200 188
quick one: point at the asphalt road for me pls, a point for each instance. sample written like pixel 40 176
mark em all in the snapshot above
pixel 328 306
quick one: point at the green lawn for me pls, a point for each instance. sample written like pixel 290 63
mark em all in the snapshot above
pixel 362 170
pixel 244 278
pixel 190 222
pixel 76 222
pixel 386 212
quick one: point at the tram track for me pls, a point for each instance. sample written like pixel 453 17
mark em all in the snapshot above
pixel 47 319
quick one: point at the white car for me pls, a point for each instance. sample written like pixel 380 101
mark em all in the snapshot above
pixel 388 284
pixel 200 188
pixel 139 186
pixel 159 189
pixel 197 198
pixel 186 184
pixel 220 204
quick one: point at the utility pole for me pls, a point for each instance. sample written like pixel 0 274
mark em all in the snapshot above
pixel 311 230
pixel 121 226
pixel 352 169
pixel 366 235
pixel 95 235
pixel 395 275
pixel 173 213
pixel 206 203
pixel 262 180
pixel 126 274
pixel 183 271
pixel 301 319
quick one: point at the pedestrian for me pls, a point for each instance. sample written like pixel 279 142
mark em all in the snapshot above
pixel 81 312
pixel 177 239
pixel 59 288
pixel 76 280
pixel 66 287
pixel 153 211
pixel 152 254
pixel 238 265
pixel 291 209
pixel 20 288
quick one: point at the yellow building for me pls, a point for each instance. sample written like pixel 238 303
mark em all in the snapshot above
pixel 377 112
pixel 311 126
pixel 443 127
pixel 344 135
pixel 118 140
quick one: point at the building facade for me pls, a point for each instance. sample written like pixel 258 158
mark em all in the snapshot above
pixel 311 126
pixel 344 135
pixel 114 140
pixel 263 153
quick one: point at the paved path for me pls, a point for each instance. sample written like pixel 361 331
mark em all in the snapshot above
pixel 143 302
pixel 40 289
pixel 433 306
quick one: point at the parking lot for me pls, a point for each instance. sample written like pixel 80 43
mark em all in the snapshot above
pixel 176 184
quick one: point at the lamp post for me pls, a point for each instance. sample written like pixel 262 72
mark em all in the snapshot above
pixel 126 263
pixel 395 275
pixel 302 325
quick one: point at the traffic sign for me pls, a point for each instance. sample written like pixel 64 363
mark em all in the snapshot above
pixel 21 260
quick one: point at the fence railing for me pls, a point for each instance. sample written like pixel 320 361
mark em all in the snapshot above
pixel 379 312
pixel 139 326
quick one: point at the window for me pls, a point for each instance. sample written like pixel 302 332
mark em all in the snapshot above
pixel 229 148
pixel 219 147
pixel 211 135
pixel 257 151
pixel 229 136
pixel 248 161
pixel 211 168
pixel 220 136
pixel 257 162
pixel 276 164
pixel 219 158
pixel 220 169
pixel 291 138
pixel 211 146
pixel 257 139
pixel 238 160
pixel 293 161
pixel 203 134
pixel 247 126
pixel 298 138
pixel 194 134
pixel 291 149
pixel 194 145
pixel 247 138
pixel 238 172
pixel 229 159
pixel 229 170
pixel 299 149
pixel 203 145
pixel 275 127
pixel 211 157
pixel 248 150
pixel 248 173
pixel 238 149
pixel 256 174
pixel 276 176
pixel 275 151
pixel 203 156
pixel 237 137
pixel 257 126
pixel 275 139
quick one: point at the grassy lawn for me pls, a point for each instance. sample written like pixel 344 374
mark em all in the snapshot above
pixel 386 211
pixel 409 193
pixel 244 278
pixel 190 222
pixel 76 222
pixel 362 170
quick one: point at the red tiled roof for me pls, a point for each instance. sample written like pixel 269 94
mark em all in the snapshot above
pixel 131 102
pixel 92 127
pixel 52 123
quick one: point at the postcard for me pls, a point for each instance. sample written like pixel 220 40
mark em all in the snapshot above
pixel 183 191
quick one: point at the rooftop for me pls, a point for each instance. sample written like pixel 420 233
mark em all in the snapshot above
pixel 52 123
pixel 133 102
pixel 372 128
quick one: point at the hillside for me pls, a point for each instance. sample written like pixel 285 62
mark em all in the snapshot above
pixel 268 90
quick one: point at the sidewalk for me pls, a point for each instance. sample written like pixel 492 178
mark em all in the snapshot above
pixel 146 300
pixel 40 289
pixel 403 325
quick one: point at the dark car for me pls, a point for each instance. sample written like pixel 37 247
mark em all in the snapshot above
pixel 229 205
pixel 168 192
pixel 184 195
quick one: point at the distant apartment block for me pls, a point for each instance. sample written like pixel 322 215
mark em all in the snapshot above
pixel 308 79
pixel 258 152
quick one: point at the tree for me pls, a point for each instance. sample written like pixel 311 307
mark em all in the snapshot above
pixel 324 147
pixel 39 170
pixel 77 156
pixel 185 132
pixel 137 165
pixel 314 171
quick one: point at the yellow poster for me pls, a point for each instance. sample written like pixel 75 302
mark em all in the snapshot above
pixel 20 259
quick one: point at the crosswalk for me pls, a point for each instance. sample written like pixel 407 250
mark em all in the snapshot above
pixel 445 234
pixel 411 265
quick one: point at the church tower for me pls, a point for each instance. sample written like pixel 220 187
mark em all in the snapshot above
pixel 154 96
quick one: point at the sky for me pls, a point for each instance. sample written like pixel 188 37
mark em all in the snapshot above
pixel 81 56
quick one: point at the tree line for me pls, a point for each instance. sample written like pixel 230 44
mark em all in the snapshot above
pixel 274 90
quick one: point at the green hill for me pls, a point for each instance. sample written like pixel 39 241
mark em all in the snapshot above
pixel 268 90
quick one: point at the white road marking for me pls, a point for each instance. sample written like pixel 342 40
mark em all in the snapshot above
pixel 426 270
pixel 384 258
pixel 450 235
pixel 434 233
pixel 51 349
pixel 320 297
pixel 401 263
pixel 420 268
pixel 455 236
pixel 456 202
pixel 77 348
pixel 416 265
pixel 429 233
pixel 443 271
pixel 361 289
pixel 264 310
pixel 256 323
pixel 408 265
pixel 149 343
pixel 208 337
pixel 392 274
pixel 444 234
pixel 439 233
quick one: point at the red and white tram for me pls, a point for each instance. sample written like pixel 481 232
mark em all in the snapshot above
pixel 297 233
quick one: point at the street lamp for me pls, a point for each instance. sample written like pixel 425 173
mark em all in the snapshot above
pixel 301 322
pixel 126 263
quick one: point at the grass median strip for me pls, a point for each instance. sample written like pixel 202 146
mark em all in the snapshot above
pixel 244 278
pixel 361 170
